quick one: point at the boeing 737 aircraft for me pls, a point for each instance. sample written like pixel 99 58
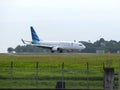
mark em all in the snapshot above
pixel 53 46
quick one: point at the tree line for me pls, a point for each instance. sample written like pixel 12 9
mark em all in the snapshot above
pixel 111 46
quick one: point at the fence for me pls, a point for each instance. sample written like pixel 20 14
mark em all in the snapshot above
pixel 39 77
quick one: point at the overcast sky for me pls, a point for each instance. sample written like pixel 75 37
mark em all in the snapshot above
pixel 58 20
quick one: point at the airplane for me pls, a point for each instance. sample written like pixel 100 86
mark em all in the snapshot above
pixel 54 46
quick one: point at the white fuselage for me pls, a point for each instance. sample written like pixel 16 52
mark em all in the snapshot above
pixel 55 46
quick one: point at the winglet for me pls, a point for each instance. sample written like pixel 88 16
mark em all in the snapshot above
pixel 23 41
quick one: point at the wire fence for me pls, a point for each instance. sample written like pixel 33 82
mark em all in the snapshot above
pixel 74 78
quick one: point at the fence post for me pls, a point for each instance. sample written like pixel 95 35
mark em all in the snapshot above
pixel 61 84
pixel 62 75
pixel 108 78
pixel 103 65
pixel 87 72
pixel 119 76
pixel 37 74
pixel 11 74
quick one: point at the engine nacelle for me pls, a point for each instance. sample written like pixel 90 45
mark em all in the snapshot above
pixel 55 49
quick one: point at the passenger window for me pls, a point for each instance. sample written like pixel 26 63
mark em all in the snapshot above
pixel 80 45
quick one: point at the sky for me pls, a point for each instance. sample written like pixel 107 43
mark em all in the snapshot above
pixel 58 20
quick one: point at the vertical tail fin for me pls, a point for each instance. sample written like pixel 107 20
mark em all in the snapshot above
pixel 35 38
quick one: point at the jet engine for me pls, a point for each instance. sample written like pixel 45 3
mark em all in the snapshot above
pixel 56 49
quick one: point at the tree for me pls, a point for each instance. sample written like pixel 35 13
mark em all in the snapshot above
pixel 10 50
pixel 89 47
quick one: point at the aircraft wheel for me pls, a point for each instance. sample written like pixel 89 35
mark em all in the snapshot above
pixel 60 51
pixel 52 51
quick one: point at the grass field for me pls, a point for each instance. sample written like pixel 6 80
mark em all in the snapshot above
pixel 49 72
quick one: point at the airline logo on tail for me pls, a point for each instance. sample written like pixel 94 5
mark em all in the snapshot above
pixel 35 38
pixel 53 46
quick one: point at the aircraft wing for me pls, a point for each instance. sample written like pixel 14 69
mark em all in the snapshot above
pixel 43 46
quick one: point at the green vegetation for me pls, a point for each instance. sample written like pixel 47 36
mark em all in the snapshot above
pixel 76 75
